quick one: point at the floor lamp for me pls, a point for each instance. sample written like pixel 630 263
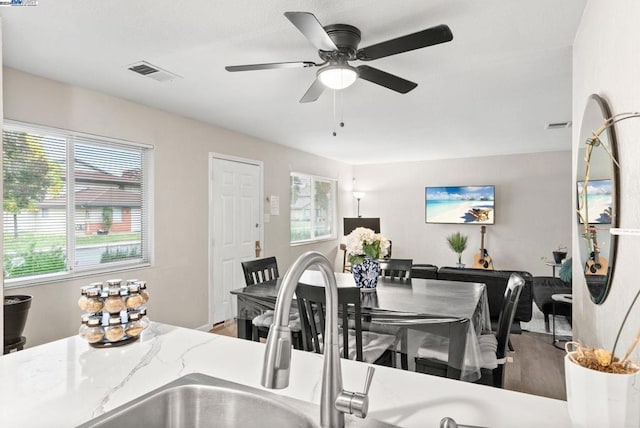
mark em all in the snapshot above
pixel 358 196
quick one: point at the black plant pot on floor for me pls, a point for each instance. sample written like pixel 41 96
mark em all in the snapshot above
pixel 16 309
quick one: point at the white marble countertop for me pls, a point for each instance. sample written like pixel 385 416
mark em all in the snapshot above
pixel 67 382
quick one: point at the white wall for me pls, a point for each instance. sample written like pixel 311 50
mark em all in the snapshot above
pixel 178 280
pixel 533 207
pixel 606 61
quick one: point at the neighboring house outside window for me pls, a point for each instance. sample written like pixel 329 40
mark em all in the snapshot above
pixel 313 208
pixel 51 232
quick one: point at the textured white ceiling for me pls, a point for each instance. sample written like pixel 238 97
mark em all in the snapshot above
pixel 490 91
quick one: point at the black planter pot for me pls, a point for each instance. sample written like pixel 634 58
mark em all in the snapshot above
pixel 16 309
pixel 559 256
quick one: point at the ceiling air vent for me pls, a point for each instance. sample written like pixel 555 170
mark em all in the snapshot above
pixel 558 125
pixel 18 2
pixel 143 68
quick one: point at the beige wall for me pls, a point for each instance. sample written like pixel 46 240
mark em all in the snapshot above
pixel 1 197
pixel 524 231
pixel 606 61
pixel 178 279
pixel 533 207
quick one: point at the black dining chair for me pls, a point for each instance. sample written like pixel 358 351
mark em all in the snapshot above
pixel 396 268
pixel 346 266
pixel 440 357
pixel 356 344
pixel 259 271
pixel 434 353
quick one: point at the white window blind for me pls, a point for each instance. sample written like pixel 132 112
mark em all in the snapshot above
pixel 313 208
pixel 73 203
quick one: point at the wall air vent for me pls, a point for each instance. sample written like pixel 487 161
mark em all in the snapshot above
pixel 558 125
pixel 143 68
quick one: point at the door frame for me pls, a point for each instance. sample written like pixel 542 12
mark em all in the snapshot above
pixel 220 156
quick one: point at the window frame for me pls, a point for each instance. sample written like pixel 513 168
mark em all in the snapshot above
pixel 333 209
pixel 146 233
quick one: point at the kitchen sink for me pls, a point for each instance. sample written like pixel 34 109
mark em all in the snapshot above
pixel 197 400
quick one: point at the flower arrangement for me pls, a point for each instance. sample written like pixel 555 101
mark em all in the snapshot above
pixel 363 242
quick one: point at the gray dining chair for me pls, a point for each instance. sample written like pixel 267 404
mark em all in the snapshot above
pixel 434 354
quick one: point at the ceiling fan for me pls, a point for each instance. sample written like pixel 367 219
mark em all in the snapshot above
pixel 337 44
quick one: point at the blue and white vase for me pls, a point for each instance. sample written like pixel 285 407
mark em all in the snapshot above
pixel 366 274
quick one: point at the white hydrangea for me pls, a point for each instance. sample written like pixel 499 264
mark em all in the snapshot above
pixel 361 239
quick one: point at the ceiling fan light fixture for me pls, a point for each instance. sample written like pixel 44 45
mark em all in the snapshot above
pixel 337 76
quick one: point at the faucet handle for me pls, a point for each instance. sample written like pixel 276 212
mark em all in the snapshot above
pixel 356 403
pixel 368 379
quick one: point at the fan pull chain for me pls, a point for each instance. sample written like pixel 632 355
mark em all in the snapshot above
pixel 341 109
pixel 334 114
pixel 335 120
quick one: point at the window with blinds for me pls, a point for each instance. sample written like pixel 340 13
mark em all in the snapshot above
pixel 313 208
pixel 73 204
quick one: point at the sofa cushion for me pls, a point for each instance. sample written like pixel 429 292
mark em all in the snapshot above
pixel 496 282
pixel 425 271
pixel 546 286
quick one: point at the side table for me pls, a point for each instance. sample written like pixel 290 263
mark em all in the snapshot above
pixel 564 304
pixel 553 265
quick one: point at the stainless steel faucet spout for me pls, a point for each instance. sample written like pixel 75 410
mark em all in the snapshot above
pixel 277 356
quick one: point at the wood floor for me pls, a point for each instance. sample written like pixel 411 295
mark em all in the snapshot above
pixel 536 367
pixel 226 329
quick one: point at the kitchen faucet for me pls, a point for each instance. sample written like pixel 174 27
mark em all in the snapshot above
pixel 334 401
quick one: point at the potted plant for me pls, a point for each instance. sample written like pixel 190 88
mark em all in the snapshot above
pixel 566 271
pixel 560 254
pixel 364 249
pixel 16 309
pixel 602 387
pixel 458 243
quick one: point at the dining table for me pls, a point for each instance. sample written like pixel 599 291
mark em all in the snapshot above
pixel 425 305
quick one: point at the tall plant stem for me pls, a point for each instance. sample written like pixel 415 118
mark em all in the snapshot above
pixel 624 320
pixel 631 348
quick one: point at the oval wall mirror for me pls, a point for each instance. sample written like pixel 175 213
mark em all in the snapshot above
pixel 598 200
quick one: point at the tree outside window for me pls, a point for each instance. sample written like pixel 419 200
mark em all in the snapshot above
pixel 28 175
pixel 53 178
pixel 313 207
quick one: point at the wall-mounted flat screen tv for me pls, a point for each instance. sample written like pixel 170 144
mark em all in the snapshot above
pixel 351 223
pixel 460 204
pixel 599 200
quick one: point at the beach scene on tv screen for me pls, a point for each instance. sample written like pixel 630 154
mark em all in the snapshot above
pixel 460 204
pixel 598 200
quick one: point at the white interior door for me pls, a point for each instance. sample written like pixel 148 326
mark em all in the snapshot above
pixel 236 224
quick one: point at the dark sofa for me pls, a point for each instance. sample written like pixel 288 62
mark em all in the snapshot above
pixel 496 282
pixel 424 271
pixel 543 288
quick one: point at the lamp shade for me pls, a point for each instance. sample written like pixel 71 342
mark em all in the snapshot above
pixel 359 195
pixel 337 76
